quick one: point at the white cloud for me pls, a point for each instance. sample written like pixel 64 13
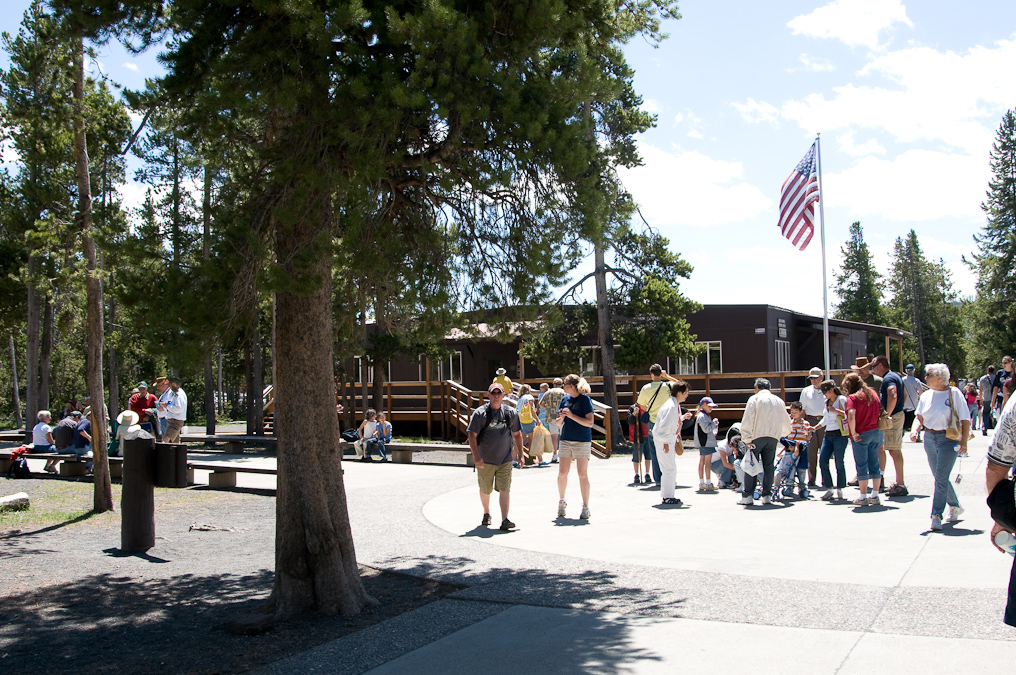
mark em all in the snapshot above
pixel 949 98
pixel 757 111
pixel 678 118
pixel 689 188
pixel 8 155
pixel 695 133
pixel 131 66
pixel 850 147
pixel 814 65
pixel 917 185
pixel 133 194
pixel 853 22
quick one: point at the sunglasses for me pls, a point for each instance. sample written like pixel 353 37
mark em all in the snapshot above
pixel 495 393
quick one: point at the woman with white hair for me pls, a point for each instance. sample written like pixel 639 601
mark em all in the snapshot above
pixel 935 408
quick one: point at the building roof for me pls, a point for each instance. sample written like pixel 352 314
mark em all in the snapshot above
pixel 891 331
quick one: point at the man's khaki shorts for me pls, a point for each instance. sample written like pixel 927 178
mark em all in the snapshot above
pixel 575 449
pixel 495 477
pixel 893 438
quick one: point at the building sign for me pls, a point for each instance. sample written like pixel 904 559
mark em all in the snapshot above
pixel 782 325
pixel 760 331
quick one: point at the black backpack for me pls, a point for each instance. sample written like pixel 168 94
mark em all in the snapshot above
pixel 19 469
pixel 506 414
pixel 350 435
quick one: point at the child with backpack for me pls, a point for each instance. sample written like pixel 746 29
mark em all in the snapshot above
pixel 638 435
pixel 705 442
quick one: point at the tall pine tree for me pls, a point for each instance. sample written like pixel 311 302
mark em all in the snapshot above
pixel 992 315
pixel 859 286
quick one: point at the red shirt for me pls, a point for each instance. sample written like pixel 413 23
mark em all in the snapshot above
pixel 139 404
pixel 865 412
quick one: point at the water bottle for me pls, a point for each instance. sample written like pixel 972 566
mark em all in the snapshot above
pixel 1006 541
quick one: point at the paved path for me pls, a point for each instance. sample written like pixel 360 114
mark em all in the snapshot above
pixel 712 587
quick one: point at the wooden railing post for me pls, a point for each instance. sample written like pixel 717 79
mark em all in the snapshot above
pixel 783 386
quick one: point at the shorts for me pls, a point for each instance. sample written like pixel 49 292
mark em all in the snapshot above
pixel 575 449
pixel 555 430
pixel 527 427
pixel 495 477
pixel 894 437
pixel 705 452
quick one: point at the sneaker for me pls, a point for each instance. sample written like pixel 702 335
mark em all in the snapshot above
pixel 954 514
pixel 486 520
pixel 672 501
pixel 873 499
pixel 828 496
pixel 853 483
pixel 860 501
pixel 543 464
pixel 936 523
pixel 710 486
pixel 507 524
pixel 637 481
pixel 584 514
pixel 647 480
pixel 839 494
pixel 553 460
pixel 701 486
pixel 561 506
pixel 722 486
pixel 767 500
pixel 746 501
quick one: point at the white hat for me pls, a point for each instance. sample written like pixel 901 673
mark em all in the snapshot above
pixel 127 422
pixel 501 371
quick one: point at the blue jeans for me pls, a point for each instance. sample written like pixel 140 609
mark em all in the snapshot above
pixel 835 447
pixel 765 447
pixel 866 455
pixel 640 450
pixel 941 457
pixel 723 473
pixel 374 443
pixel 973 416
pixel 657 471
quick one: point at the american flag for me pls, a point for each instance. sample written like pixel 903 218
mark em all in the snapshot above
pixel 797 201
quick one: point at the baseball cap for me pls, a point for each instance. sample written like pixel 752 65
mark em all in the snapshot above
pixel 707 401
pixel 142 383
pixel 910 366
pixel 815 372
pixel 495 386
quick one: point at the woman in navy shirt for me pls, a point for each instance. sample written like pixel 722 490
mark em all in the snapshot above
pixel 575 417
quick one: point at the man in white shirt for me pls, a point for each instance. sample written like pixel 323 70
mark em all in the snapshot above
pixel 984 398
pixel 162 387
pixel 1001 457
pixel 176 411
pixel 765 421
pixel 814 402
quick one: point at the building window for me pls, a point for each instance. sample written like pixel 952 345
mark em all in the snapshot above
pixel 708 362
pixel 448 368
pixel 360 363
pixel 782 356
pixel 590 363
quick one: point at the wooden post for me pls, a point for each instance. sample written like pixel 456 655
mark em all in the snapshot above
pixel 429 402
pixel 522 365
pixel 171 465
pixel 389 406
pixel 458 411
pixel 783 386
pixel 900 344
pixel 708 385
pixel 888 354
pixel 137 500
pixel 606 433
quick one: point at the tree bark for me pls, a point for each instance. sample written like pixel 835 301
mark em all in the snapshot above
pixel 103 495
pixel 606 339
pixel 114 381
pixel 32 328
pixel 18 421
pixel 206 254
pixel 258 380
pixel 218 373
pixel 315 561
pixel 46 353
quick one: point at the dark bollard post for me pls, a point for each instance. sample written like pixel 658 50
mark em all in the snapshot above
pixel 137 503
pixel 170 465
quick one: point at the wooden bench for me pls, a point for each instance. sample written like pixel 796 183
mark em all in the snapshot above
pixel 234 443
pixel 224 475
pixel 70 465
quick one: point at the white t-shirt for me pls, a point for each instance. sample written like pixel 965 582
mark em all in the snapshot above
pixel 829 420
pixel 39 433
pixel 164 398
pixel 368 430
pixel 813 401
pixel 933 407
pixel 723 447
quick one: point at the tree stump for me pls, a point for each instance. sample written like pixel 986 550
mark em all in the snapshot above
pixel 15 502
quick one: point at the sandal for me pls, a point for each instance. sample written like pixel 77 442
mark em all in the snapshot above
pixel 672 501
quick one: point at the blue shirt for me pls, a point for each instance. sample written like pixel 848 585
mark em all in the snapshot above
pixel 889 380
pixel 580 406
pixel 79 440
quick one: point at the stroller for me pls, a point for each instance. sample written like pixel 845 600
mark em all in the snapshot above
pixel 786 478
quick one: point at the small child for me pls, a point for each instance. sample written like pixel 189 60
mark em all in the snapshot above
pixel 795 443
pixel 638 434
pixel 367 431
pixel 973 405
pixel 705 442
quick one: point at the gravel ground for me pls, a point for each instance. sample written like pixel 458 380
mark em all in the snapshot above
pixel 73 598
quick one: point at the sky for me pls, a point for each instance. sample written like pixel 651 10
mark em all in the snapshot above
pixel 907 97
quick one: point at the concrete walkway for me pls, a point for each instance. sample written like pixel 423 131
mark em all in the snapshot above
pixel 808 587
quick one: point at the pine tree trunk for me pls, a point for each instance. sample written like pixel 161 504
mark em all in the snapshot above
pixel 315 561
pixel 218 374
pixel 258 381
pixel 103 495
pixel 46 353
pixel 606 339
pixel 114 380
pixel 33 326
pixel 16 398
pixel 206 254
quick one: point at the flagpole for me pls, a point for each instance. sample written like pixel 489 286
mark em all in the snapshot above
pixel 821 229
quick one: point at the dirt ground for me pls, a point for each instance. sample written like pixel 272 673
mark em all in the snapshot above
pixel 71 600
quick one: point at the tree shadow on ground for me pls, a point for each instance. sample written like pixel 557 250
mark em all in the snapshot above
pixel 591 641
pixel 109 623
